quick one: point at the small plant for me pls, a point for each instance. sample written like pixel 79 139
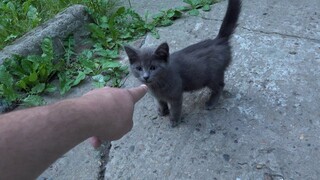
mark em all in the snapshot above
pixel 166 18
pixel 195 5
pixel 22 79
pixel 121 26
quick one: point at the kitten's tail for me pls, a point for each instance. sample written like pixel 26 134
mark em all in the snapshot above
pixel 230 20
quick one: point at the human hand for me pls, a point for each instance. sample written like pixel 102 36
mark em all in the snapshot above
pixel 112 111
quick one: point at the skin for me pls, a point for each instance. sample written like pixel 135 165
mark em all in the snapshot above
pixel 32 139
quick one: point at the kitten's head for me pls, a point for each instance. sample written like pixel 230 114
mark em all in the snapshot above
pixel 148 64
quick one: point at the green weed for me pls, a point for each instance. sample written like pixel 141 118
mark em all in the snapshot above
pixel 24 79
pixel 195 5
pixel 166 18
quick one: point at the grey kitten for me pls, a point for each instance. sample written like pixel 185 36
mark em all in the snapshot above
pixel 194 67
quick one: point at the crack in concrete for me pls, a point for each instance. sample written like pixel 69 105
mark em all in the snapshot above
pixel 104 158
pixel 280 34
pixel 143 41
pixel 268 33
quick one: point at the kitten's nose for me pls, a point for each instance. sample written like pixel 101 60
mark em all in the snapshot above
pixel 145 77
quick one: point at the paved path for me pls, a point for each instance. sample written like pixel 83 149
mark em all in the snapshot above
pixel 266 126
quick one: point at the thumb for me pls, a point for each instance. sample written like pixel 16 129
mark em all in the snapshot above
pixel 138 92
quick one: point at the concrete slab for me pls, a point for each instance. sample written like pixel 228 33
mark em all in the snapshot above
pixel 266 126
pixel 81 162
pixel 287 18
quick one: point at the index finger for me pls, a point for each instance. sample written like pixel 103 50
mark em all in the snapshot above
pixel 138 92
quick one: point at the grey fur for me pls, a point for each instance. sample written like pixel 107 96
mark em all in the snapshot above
pixel 194 67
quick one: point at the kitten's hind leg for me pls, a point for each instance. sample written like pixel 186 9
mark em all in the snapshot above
pixel 163 109
pixel 216 90
pixel 175 111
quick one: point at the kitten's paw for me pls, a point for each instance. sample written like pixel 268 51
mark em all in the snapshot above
pixel 163 112
pixel 174 123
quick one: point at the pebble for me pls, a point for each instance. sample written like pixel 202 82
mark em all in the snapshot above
pixel 259 166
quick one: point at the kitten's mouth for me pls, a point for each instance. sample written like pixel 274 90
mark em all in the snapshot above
pixel 146 81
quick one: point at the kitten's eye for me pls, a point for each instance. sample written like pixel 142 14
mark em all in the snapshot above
pixel 152 68
pixel 139 68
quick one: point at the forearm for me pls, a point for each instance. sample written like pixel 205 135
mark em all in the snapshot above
pixel 32 139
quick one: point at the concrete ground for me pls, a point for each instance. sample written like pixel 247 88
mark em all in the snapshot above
pixel 266 126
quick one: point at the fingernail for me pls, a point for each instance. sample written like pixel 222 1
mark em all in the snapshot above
pixel 143 85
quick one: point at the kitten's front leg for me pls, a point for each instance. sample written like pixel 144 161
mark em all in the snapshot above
pixel 163 109
pixel 175 111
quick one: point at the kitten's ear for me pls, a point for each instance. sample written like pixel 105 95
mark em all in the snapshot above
pixel 132 54
pixel 162 51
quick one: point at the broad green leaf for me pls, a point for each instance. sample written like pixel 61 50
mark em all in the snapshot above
pixel 11 6
pixel 47 49
pixel 127 35
pixel 183 8
pixel 100 80
pixel 26 65
pixel 173 13
pixel 81 76
pixel 32 100
pixel 187 1
pixel 5 77
pixel 22 84
pixel 120 11
pixel 26 5
pixel 110 64
pixel 155 34
pixel 9 94
pixel 39 88
pixel 195 2
pixel 87 64
pixel 166 22
pixel 104 22
pixel 33 77
pixel 96 31
pixel 107 53
pixel 65 83
pixel 98 84
pixel 1 89
pixel 50 88
pixel 33 59
pixel 206 8
pixel 87 70
pixel 194 12
pixel 158 15
pixel 87 53
pixel 13 66
pixel 32 13
pixel 43 73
